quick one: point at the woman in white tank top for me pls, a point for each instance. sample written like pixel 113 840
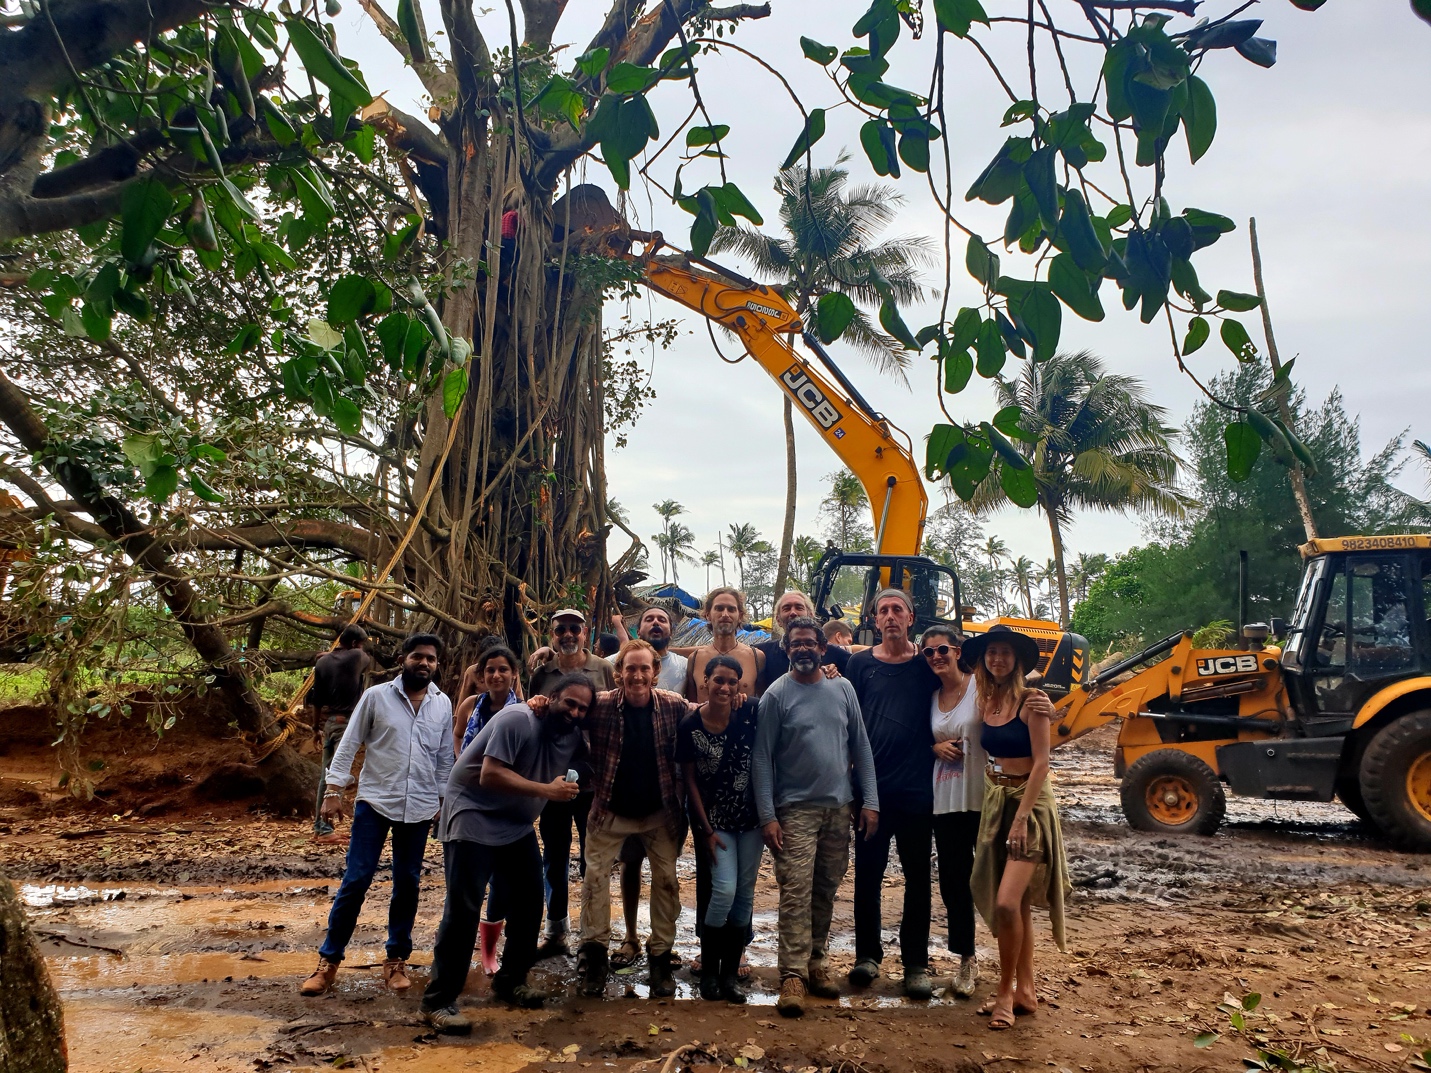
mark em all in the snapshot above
pixel 958 792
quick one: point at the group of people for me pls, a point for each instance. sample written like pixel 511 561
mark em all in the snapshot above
pixel 795 746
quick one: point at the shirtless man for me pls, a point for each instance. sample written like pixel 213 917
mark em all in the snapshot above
pixel 724 610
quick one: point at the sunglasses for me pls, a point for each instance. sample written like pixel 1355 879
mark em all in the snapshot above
pixel 942 650
pixel 559 630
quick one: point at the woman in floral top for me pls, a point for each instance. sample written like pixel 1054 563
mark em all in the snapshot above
pixel 714 745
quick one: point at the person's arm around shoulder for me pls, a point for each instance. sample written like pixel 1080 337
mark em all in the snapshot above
pixel 762 767
pixel 506 737
pixel 460 717
pixel 862 759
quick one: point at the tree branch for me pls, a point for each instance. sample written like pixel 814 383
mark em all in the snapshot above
pixel 436 76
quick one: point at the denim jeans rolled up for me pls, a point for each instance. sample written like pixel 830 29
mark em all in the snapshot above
pixel 733 871
pixel 367 836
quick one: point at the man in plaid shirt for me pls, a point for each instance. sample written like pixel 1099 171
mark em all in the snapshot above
pixel 637 792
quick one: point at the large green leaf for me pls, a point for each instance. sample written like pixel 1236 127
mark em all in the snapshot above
pixel 1198 331
pixel 454 390
pixel 833 313
pixel 1235 336
pixel 1040 175
pixel 1038 314
pixel 1237 301
pixel 982 263
pixel 627 78
pixel 873 144
pixel 958 368
pixel 1199 118
pixel 203 489
pixel 351 297
pixel 989 349
pixel 144 209
pixel 1019 485
pixel 824 55
pixel 814 130
pixel 1076 227
pixel 942 440
pixel 1243 447
pixel 407 22
pixel 323 64
pixel 893 323
pixel 1071 284
pixel 957 16
pixel 162 483
pixel 697 136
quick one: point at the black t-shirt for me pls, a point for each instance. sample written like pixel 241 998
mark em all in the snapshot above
pixel 722 763
pixel 778 663
pixel 636 791
pixel 338 679
pixel 894 700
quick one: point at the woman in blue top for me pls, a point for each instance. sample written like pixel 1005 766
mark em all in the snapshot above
pixel 496 672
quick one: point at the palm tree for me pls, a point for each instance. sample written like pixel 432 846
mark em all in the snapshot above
pixel 668 509
pixel 1100 444
pixel 676 544
pixel 805 553
pixel 996 551
pixel 845 506
pixel 1021 573
pixel 829 247
pixel 1087 569
pixel 742 542
pixel 708 560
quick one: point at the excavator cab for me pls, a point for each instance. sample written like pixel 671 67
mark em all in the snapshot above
pixel 845 584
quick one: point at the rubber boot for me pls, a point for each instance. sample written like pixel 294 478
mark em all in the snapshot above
pixel 591 964
pixel 661 979
pixel 711 954
pixel 489 934
pixel 731 952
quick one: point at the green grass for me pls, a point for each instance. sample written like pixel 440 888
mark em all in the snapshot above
pixel 23 685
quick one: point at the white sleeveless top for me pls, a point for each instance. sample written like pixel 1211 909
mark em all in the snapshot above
pixel 958 787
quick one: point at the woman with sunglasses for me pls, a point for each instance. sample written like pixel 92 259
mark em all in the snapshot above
pixel 958 792
pixel 496 675
pixel 1020 861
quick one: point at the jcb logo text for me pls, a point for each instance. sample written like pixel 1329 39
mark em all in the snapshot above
pixel 1225 665
pixel 810 397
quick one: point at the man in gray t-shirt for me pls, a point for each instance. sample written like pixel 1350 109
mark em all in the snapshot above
pixel 515 765
pixel 808 739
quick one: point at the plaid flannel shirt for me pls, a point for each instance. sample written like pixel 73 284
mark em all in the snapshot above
pixel 605 725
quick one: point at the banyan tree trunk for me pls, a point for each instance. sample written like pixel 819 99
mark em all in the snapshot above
pixel 32 1026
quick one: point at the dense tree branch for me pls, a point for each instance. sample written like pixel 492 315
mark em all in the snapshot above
pixel 540 18
pixel 298 533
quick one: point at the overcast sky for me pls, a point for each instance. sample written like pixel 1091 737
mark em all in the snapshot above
pixel 1330 150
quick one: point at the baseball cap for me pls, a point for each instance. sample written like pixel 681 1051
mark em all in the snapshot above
pixel 568 612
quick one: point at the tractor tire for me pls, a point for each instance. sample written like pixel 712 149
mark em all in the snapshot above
pixel 1395 781
pixel 1170 792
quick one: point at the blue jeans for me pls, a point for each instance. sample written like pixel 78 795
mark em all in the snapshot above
pixel 365 847
pixel 733 873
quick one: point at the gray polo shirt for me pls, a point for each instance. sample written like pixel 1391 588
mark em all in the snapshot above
pixel 806 742
pixel 529 747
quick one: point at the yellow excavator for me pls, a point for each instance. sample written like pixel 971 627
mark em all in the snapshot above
pixel 874 449
pixel 1342 708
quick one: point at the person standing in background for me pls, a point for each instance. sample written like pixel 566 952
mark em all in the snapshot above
pixel 337 685
pixel 958 792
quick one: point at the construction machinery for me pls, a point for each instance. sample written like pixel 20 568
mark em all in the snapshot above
pixel 1341 709
pixel 874 449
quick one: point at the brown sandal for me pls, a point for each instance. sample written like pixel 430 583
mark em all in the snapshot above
pixel 626 955
pixel 1000 1019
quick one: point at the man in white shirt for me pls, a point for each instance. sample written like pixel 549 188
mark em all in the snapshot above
pixel 406 727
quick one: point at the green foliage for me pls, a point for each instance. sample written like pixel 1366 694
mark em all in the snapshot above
pixel 1188 575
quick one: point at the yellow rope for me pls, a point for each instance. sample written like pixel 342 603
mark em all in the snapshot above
pixel 288 718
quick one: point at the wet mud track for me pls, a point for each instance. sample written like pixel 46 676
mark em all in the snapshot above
pixel 192 962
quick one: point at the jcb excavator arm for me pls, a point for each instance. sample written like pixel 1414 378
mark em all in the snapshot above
pixel 876 451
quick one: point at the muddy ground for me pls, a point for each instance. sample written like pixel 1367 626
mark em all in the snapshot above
pixel 183 949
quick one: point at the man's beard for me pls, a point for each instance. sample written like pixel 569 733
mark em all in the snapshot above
pixel 723 629
pixel 660 644
pixel 569 645
pixel 413 680
pixel 804 663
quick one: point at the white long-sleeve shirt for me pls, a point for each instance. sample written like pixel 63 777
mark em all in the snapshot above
pixel 409 753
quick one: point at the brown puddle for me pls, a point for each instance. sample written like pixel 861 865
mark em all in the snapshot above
pixel 117 1038
pixel 148 970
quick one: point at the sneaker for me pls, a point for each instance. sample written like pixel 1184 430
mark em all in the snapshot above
pixel 821 983
pixel 448 1021
pixel 968 978
pixel 865 972
pixel 395 975
pixel 918 986
pixel 321 980
pixel 791 1002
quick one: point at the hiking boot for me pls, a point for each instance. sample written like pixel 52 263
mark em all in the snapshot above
pixel 917 985
pixel 865 972
pixel 522 995
pixel 448 1021
pixel 395 977
pixel 554 945
pixel 661 979
pixel 791 1002
pixel 591 967
pixel 968 978
pixel 821 983
pixel 321 980
pixel 489 934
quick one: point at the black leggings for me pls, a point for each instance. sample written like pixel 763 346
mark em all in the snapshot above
pixel 955 836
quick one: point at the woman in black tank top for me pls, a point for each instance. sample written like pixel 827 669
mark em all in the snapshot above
pixel 1019 839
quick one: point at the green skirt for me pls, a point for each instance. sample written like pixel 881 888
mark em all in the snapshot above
pixel 1050 885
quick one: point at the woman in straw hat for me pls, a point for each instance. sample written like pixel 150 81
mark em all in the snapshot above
pixel 1019 862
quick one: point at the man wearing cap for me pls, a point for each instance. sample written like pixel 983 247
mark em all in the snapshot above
pixel 568 637
pixel 894 687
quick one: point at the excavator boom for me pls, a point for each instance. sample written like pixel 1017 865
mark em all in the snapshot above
pixel 875 451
